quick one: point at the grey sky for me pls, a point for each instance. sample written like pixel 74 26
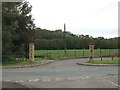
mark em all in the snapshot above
pixel 93 17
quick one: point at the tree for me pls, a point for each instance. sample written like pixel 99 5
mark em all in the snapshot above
pixel 18 28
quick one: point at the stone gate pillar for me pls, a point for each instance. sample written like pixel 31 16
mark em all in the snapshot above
pixel 31 52
pixel 91 52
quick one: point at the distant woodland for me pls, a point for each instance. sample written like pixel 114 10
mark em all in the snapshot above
pixel 47 39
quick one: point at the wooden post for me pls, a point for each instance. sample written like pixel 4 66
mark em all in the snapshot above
pixel 31 52
pixel 91 53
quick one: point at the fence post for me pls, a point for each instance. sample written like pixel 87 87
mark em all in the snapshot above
pixel 83 52
pixel 75 53
pixel 58 55
pixel 50 55
pixel 112 57
pixel 109 52
pixel 91 53
pixel 101 54
pixel 31 52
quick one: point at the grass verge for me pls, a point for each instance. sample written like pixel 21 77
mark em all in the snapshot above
pixel 104 62
pixel 21 62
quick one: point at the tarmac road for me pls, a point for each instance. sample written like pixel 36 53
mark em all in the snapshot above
pixel 63 74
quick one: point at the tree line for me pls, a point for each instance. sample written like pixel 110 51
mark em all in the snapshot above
pixel 47 39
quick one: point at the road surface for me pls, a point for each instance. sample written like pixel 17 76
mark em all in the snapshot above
pixel 63 74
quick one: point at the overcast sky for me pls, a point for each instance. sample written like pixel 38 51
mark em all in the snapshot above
pixel 89 17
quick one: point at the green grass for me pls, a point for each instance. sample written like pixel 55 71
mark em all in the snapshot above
pixel 104 62
pixel 21 62
pixel 59 54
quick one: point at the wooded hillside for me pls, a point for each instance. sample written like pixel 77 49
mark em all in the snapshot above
pixel 46 39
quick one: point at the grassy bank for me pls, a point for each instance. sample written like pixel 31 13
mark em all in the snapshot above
pixel 105 62
pixel 20 62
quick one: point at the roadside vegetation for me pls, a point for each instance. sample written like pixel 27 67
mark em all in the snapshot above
pixel 21 62
pixel 41 55
pixel 115 61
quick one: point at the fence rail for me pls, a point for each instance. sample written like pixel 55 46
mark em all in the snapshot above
pixel 59 54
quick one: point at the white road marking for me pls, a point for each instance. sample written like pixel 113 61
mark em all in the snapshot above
pixel 56 79
pixel 21 81
pixel 72 78
pixel 46 80
pixel 7 80
pixel 49 80
pixel 29 87
pixel 16 81
pixel 75 78
pixel 87 77
pixel 30 80
pixel 66 70
pixel 113 83
pixel 34 80
pixel 60 70
pixel 59 79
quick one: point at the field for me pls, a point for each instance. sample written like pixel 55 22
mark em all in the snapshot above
pixel 59 54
